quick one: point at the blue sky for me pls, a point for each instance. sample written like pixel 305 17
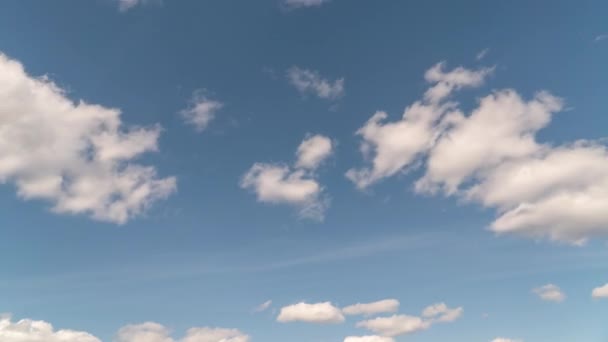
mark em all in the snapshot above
pixel 167 165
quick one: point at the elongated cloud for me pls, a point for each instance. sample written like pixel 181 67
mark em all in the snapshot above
pixel 382 306
pixel 600 292
pixel 440 312
pixel 319 313
pixel 371 338
pixel 27 330
pixel 293 4
pixel 311 82
pixel 299 187
pixel 154 332
pixel 77 156
pixel 502 339
pixel 550 293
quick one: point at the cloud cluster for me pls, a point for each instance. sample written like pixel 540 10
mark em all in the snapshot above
pixel 311 82
pixel 491 156
pixel 27 330
pixel 77 156
pixel 550 293
pixel 297 186
pixel 154 332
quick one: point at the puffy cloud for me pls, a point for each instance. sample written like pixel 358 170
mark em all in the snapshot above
pixel 372 338
pixel 382 306
pixel 600 292
pixel 395 325
pixel 394 146
pixel 154 332
pixel 311 82
pixel 281 184
pixel 313 151
pixel 303 3
pixel 77 156
pixel 502 339
pixel 264 306
pixel 201 111
pixel 550 293
pixel 27 330
pixel 320 313
pixel 440 312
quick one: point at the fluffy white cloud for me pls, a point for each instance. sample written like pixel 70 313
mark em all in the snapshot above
pixel 502 339
pixel 313 151
pixel 440 312
pixel 311 82
pixel 154 332
pixel 395 325
pixel 394 146
pixel 382 306
pixel 281 184
pixel 372 338
pixel 320 313
pixel 77 156
pixel 600 292
pixel 550 293
pixel 303 3
pixel 264 306
pixel 27 330
pixel 201 111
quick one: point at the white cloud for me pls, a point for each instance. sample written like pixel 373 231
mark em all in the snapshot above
pixel 600 292
pixel 154 332
pixel 550 293
pixel 320 313
pixel 440 312
pixel 502 339
pixel 372 338
pixel 394 146
pixel 77 156
pixel 382 306
pixel 313 151
pixel 27 330
pixel 201 111
pixel 395 325
pixel 482 54
pixel 281 184
pixel 125 5
pixel 264 306
pixel 304 3
pixel 311 82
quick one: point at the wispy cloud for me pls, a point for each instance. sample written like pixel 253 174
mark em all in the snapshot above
pixel 601 37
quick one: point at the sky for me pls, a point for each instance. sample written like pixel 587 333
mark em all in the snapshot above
pixel 303 171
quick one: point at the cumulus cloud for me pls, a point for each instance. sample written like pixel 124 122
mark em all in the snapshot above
pixel 491 156
pixel 382 306
pixel 312 151
pixel 394 146
pixel 298 186
pixel 27 330
pixel 600 292
pixel 201 111
pixel 550 293
pixel 292 4
pixel 440 312
pixel 320 313
pixel 154 332
pixel 311 82
pixel 372 338
pixel 397 325
pixel 77 156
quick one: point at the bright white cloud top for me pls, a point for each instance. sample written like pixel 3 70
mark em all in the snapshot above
pixel 27 330
pixel 77 156
pixel 550 293
pixel 382 306
pixel 298 186
pixel 491 156
pixel 600 292
pixel 370 338
pixel 502 339
pixel 319 313
pixel 154 332
pixel 311 82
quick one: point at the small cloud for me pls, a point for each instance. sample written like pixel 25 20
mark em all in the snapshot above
pixel 550 293
pixel 320 313
pixel 201 111
pixel 600 292
pixel 601 37
pixel 383 306
pixel 264 306
pixel 311 82
pixel 126 5
pixel 482 54
pixel 293 4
